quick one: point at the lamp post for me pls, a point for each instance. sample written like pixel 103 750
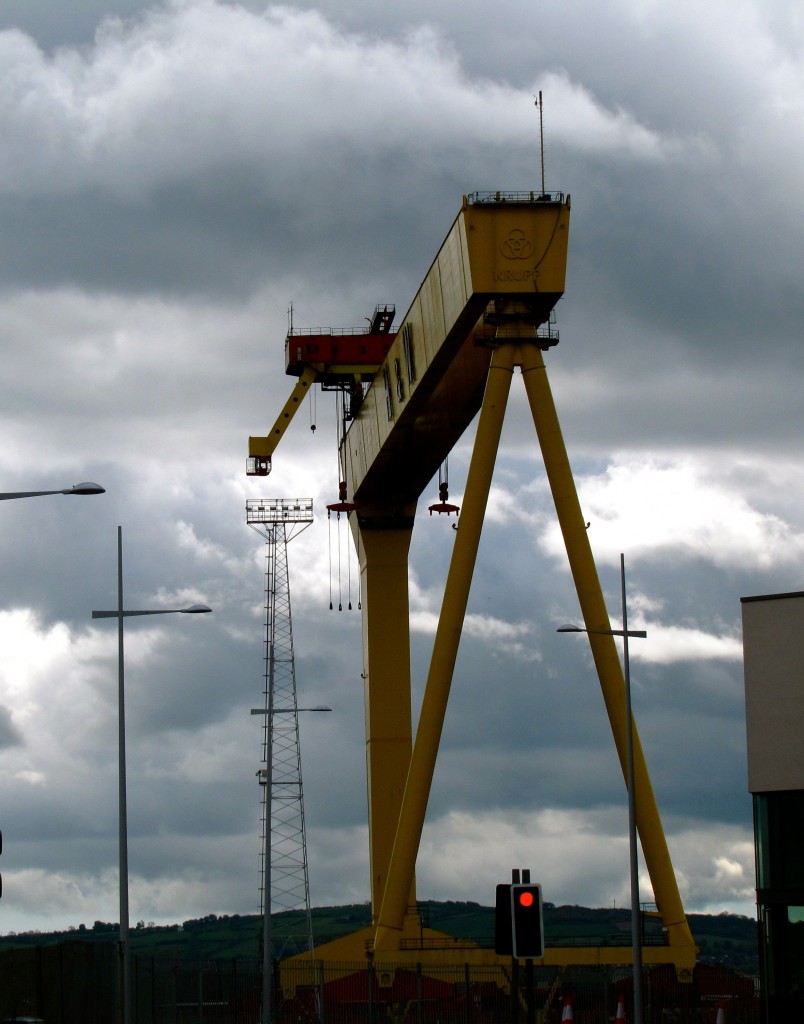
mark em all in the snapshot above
pixel 119 614
pixel 636 938
pixel 270 711
pixel 84 488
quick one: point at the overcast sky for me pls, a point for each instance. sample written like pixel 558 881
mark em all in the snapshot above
pixel 172 178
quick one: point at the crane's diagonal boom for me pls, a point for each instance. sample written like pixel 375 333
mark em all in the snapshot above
pixel 260 449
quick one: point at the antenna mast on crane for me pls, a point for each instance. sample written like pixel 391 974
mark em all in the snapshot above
pixel 540 105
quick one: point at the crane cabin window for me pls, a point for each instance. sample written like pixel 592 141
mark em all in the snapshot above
pixel 389 402
pixel 400 387
pixel 407 348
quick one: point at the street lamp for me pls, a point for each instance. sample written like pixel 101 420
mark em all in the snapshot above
pixel 636 938
pixel 270 711
pixel 83 488
pixel 120 614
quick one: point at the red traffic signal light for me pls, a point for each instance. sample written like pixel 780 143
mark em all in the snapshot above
pixel 527 927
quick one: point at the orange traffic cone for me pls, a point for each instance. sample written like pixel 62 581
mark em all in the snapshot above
pixel 619 1016
pixel 566 1013
pixel 721 1012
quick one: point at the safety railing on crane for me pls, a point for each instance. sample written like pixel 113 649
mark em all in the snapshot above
pixel 475 198
pixel 335 332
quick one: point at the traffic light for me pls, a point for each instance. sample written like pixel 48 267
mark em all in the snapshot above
pixel 527 927
pixel 518 921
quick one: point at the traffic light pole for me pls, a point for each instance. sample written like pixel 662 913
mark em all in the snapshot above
pixel 530 987
pixel 519 932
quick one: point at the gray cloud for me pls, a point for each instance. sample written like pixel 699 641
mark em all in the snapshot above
pixel 9 734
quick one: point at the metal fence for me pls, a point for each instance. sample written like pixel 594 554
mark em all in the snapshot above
pixel 76 983
pixel 70 982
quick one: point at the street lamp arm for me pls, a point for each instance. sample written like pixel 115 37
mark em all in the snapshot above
pixel 83 488
pixel 26 494
pixel 287 711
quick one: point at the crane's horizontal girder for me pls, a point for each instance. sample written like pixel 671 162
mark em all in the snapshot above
pixel 504 257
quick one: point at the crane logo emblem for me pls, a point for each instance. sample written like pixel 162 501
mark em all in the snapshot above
pixel 517 245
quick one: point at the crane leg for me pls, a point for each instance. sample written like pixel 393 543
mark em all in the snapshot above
pixel 386 676
pixel 604 650
pixel 445 649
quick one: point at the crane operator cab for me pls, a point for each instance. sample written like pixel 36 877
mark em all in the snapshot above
pixel 337 359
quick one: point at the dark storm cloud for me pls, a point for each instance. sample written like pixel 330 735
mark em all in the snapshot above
pixel 9 735
pixel 53 25
pixel 174 159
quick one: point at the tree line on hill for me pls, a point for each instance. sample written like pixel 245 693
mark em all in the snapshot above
pixel 727 939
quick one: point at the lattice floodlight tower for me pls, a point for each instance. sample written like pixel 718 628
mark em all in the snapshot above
pixel 284 880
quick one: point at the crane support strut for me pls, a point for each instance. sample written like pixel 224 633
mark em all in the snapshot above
pixel 391 918
pixel 445 649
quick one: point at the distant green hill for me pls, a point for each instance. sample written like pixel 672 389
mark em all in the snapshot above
pixel 726 939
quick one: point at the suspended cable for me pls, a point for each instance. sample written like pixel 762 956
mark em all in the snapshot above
pixel 340 575
pixel 359 576
pixel 348 569
pixel 329 535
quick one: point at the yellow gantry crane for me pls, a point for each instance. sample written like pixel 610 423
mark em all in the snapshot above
pixel 482 312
